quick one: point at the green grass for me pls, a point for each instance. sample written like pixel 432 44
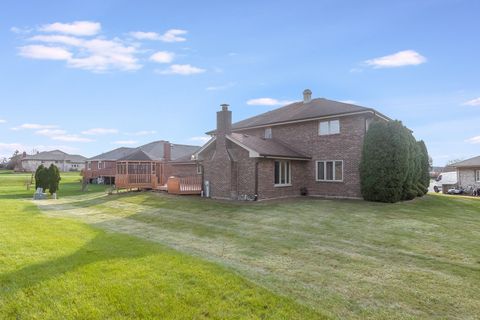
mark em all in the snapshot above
pixel 57 268
pixel 347 259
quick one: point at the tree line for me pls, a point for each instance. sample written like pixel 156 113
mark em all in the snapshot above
pixel 394 166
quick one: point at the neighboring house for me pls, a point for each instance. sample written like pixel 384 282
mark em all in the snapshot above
pixel 145 167
pixel 468 172
pixel 309 146
pixel 64 161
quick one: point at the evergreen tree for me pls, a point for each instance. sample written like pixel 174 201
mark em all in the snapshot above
pixel 41 177
pixel 384 163
pixel 424 166
pixel 53 178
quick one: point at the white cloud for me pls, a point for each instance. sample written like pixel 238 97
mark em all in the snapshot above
pixel 67 40
pixel 20 30
pixel 77 28
pixel 473 140
pixel 182 69
pixel 34 126
pixel 98 131
pixel 221 87
pixel 162 57
pixel 142 133
pixel 44 52
pixel 473 102
pixel 399 59
pixel 201 139
pixel 51 132
pixel 3 121
pixel 7 149
pixel 172 35
pixel 125 142
pixel 96 55
pixel 349 101
pixel 267 102
pixel 70 138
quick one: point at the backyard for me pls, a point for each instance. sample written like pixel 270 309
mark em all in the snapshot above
pixel 146 254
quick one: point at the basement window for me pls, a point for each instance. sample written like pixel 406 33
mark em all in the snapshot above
pixel 329 127
pixel 330 170
pixel 283 173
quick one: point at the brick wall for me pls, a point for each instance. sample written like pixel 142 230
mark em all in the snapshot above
pixel 466 177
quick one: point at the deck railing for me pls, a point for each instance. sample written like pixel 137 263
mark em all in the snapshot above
pixel 185 185
pixel 135 181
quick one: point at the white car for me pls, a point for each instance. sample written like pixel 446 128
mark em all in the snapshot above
pixel 449 178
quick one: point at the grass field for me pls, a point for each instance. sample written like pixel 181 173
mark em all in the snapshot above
pixel 343 259
pixel 56 268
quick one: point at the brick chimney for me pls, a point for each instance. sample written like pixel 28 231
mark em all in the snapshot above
pixel 224 120
pixel 307 96
pixel 167 151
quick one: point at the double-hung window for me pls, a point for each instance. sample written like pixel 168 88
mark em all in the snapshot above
pixel 330 170
pixel 329 127
pixel 477 175
pixel 268 133
pixel 283 173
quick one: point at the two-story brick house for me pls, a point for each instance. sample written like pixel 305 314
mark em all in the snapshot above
pixel 313 145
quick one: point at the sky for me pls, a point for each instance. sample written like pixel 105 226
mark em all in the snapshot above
pixel 89 76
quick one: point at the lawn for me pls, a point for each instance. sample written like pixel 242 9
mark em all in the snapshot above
pixel 58 268
pixel 346 259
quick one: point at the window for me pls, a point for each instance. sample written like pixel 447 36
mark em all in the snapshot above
pixel 99 165
pixel 477 175
pixel 89 165
pixel 268 133
pixel 330 170
pixel 283 173
pixel 329 127
pixel 199 169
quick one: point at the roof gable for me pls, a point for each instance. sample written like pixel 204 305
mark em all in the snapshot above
pixel 472 162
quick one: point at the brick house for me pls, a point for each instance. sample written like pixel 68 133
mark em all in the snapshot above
pixel 468 172
pixel 309 146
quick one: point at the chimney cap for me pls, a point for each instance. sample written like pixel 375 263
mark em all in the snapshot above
pixel 224 106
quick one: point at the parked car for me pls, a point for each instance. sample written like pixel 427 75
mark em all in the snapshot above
pixel 445 178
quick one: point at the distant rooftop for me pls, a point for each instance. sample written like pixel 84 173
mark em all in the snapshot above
pixel 55 155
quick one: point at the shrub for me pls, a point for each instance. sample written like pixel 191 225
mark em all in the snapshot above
pixel 41 177
pixel 53 178
pixel 394 165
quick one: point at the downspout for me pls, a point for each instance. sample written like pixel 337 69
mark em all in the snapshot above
pixel 256 179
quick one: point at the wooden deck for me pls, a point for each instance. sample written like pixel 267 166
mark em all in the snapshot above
pixel 185 185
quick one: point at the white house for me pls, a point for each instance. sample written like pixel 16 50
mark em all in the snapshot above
pixel 64 161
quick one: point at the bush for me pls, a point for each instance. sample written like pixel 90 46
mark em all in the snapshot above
pixel 53 178
pixel 393 164
pixel 41 178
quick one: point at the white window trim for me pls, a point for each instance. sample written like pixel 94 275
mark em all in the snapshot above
pixel 329 125
pixel 325 171
pixel 289 175
pixel 477 175
pixel 199 169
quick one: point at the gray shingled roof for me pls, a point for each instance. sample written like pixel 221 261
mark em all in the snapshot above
pixel 472 162
pixel 114 154
pixel 180 152
pixel 266 147
pixel 155 151
pixel 137 155
pixel 56 155
pixel 298 111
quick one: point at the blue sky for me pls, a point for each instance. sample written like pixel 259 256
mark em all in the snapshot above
pixel 89 76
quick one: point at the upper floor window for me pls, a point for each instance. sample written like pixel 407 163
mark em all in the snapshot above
pixel 89 165
pixel 477 175
pixel 330 170
pixel 283 174
pixel 329 127
pixel 268 133
pixel 99 165
pixel 199 169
